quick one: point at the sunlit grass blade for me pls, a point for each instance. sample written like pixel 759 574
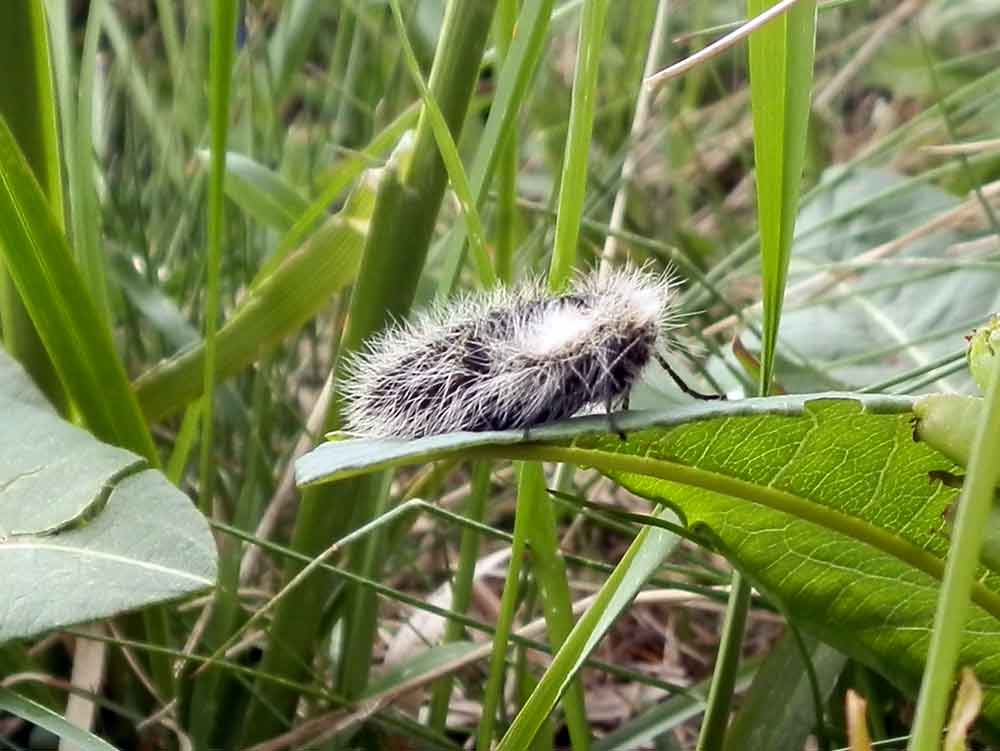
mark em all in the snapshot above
pixel 39 260
pixel 27 101
pixel 56 724
pixel 974 507
pixel 646 552
pixel 781 73
pixel 573 185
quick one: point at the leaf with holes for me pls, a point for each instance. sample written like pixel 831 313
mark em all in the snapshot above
pixel 825 501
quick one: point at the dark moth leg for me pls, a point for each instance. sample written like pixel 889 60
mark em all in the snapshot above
pixel 680 381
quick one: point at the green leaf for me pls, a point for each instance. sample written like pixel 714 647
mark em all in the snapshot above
pixel 779 711
pixel 37 256
pixel 44 717
pixel 87 530
pixel 781 72
pixel 825 502
pixel 261 192
pixel 51 472
pixel 893 316
pixel 342 458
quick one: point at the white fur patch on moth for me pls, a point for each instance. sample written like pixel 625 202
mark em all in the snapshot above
pixel 512 357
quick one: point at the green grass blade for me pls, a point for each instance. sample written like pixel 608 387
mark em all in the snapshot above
pixel 781 72
pixel 494 689
pixel 449 155
pixel 54 292
pixel 974 507
pixel 646 552
pixel 260 192
pixel 85 210
pixel 461 587
pixel 517 72
pixel 573 184
pixel 28 104
pixel 44 717
pixel 550 575
pixel 339 180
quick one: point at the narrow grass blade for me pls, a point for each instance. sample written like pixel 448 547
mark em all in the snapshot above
pixel 28 104
pixel 955 597
pixel 39 260
pixel 781 73
pixel 44 717
pixel 573 185
pixel 650 547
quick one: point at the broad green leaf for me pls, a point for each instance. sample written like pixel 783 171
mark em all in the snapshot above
pixel 781 72
pixel 51 472
pixel 779 711
pixel 825 501
pixel 260 192
pixel 341 458
pixel 905 309
pixel 56 724
pixel 87 530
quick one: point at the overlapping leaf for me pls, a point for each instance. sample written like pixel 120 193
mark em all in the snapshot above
pixel 854 556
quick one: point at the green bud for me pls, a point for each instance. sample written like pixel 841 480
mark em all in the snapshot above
pixel 947 422
pixel 984 344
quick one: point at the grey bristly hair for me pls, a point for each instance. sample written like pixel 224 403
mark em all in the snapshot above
pixel 511 357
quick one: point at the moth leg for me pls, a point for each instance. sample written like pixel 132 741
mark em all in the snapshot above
pixel 680 381
pixel 625 400
pixel 612 421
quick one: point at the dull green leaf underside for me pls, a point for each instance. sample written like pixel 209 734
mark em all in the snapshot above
pixel 851 455
pixel 87 530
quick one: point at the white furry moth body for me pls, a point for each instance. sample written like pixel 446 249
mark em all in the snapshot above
pixel 512 357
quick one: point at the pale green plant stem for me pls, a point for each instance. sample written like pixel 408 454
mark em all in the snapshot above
pixel 493 693
pixel 461 588
pixel 205 699
pixel 958 584
pixel 713 727
pixel 221 62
